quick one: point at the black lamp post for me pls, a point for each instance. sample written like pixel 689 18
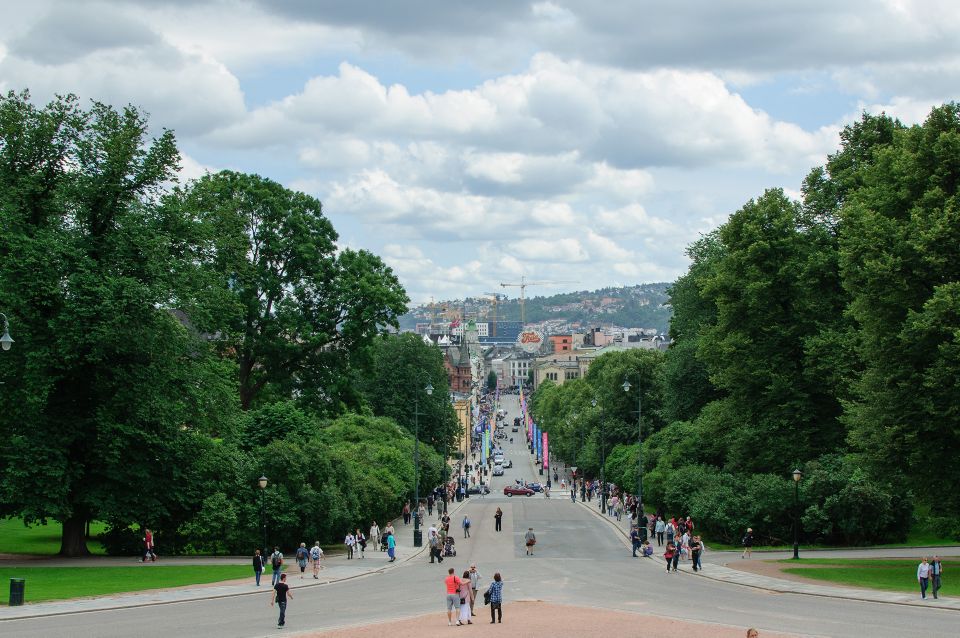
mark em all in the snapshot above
pixel 417 534
pixel 6 340
pixel 603 459
pixel 796 513
pixel 626 388
pixel 262 482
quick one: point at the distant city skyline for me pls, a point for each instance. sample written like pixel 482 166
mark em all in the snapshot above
pixel 470 144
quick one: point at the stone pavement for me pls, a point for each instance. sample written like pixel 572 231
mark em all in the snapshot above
pixel 720 572
pixel 335 569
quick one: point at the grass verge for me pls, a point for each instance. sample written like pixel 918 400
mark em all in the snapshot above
pixel 886 575
pixel 44 540
pixel 59 583
pixel 919 538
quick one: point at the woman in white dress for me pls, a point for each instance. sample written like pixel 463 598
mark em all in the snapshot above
pixel 465 600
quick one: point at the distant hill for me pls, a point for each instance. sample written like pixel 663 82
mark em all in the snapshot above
pixel 641 306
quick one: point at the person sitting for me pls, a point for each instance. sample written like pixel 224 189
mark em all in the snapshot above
pixel 647 549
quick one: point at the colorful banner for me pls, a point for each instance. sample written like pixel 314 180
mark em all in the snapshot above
pixel 546 454
pixel 485 452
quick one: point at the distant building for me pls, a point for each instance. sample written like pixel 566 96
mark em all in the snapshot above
pixel 561 343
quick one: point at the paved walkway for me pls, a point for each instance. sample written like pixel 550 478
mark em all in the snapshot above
pixel 335 569
pixel 716 570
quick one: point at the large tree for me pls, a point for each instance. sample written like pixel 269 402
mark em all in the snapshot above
pixel 287 303
pixel 106 387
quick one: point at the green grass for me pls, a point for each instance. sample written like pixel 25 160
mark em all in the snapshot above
pixel 58 583
pixel 886 575
pixel 918 538
pixel 16 538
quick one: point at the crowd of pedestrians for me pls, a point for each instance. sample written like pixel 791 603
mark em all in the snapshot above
pixel 461 596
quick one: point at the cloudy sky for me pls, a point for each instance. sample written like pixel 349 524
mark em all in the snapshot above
pixel 471 143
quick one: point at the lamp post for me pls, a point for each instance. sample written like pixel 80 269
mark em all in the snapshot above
pixel 626 388
pixel 417 534
pixel 6 340
pixel 603 459
pixel 797 474
pixel 262 482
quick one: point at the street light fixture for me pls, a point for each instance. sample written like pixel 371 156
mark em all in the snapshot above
pixel 6 340
pixel 603 458
pixel 417 534
pixel 797 474
pixel 262 482
pixel 626 388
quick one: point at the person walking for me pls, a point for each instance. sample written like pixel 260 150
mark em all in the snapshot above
pixel 531 540
pixel 276 562
pixel 677 554
pixel 498 518
pixel 670 531
pixel 148 548
pixel 747 544
pixel 406 513
pixel 474 586
pixel 257 565
pixel 349 541
pixel 389 528
pixel 635 539
pixel 696 548
pixel 302 556
pixel 316 555
pixel 466 526
pixel 464 618
pixel 668 554
pixel 391 547
pixel 495 592
pixel 936 569
pixel 422 513
pixel 375 534
pixel 923 576
pixel 452 584
pixel 658 528
pixel 361 541
pixel 281 592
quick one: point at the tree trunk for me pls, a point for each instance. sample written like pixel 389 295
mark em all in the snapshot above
pixel 73 542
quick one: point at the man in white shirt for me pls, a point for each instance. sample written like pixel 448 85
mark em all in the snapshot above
pixel 350 541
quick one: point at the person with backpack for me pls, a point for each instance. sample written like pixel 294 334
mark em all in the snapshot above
pixel 257 565
pixel 301 557
pixel 276 562
pixel 671 531
pixel 316 555
pixel 466 526
pixel 747 542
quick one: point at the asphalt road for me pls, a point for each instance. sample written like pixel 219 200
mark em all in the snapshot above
pixel 579 560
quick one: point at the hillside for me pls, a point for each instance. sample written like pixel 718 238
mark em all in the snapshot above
pixel 640 306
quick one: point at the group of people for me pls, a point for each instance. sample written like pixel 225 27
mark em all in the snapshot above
pixel 461 596
pixel 929 575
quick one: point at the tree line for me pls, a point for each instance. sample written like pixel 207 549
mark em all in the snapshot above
pixel 820 335
pixel 174 342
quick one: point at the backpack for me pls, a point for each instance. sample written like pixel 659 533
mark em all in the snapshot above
pixel 276 560
pixel 315 553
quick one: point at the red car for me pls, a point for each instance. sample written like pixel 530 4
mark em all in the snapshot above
pixel 520 491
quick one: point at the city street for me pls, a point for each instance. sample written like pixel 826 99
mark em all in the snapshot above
pixel 580 560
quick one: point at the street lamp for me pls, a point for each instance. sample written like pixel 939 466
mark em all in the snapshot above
pixel 626 388
pixel 603 459
pixel 6 340
pixel 797 474
pixel 262 482
pixel 417 534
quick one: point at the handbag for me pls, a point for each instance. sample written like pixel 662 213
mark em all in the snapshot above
pixel 486 597
pixel 463 601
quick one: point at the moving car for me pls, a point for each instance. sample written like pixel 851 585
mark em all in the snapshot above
pixel 498 459
pixel 515 429
pixel 478 489
pixel 510 490
pixel 536 487
pixel 498 470
pixel 507 464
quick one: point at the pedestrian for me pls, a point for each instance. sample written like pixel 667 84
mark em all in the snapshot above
pixel 433 540
pixel 316 555
pixel 276 562
pixel 495 592
pixel 349 541
pixel 430 504
pixel 753 633
pixel 389 528
pixel 421 513
pixel 678 552
pixel 391 547
pixel 257 565
pixel 465 599
pixel 658 528
pixel 573 492
pixel 474 586
pixel 361 541
pixel 452 583
pixel 498 517
pixel 668 554
pixel 466 526
pixel 923 576
pixel 302 556
pixel 148 548
pixel 747 544
pixel 375 534
pixel 406 513
pixel 531 540
pixel 281 591
pixel 696 548
pixel 671 531
pixel 635 540
pixel 936 569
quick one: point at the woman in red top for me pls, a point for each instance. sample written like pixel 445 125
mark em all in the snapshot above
pixel 668 554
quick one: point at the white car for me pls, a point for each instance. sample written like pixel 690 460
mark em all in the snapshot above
pixel 498 470
pixel 498 459
pixel 507 464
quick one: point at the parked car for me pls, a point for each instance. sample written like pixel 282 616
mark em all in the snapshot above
pixel 519 491
pixel 536 487
pixel 498 459
pixel 515 428
pixel 478 489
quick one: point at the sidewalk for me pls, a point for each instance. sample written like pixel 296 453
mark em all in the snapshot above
pixel 335 569
pixel 714 571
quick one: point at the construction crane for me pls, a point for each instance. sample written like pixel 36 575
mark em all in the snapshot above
pixel 495 297
pixel 523 288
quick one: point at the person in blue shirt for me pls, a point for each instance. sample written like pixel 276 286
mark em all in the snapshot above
pixel 496 599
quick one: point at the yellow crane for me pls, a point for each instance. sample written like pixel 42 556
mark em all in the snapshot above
pixel 523 288
pixel 495 298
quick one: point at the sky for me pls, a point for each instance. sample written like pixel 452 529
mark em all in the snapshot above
pixel 474 143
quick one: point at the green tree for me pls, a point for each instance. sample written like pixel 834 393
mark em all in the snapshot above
pixel 105 393
pixel 491 381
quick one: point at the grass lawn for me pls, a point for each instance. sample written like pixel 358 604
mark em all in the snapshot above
pixel 888 575
pixel 917 538
pixel 57 583
pixel 16 538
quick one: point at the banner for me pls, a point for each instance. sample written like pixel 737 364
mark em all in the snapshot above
pixel 546 454
pixel 485 452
